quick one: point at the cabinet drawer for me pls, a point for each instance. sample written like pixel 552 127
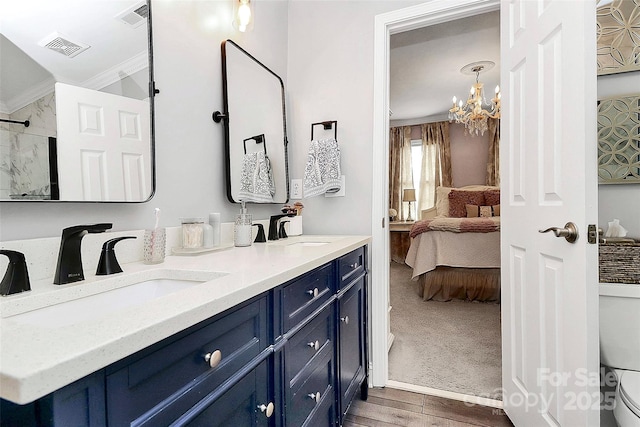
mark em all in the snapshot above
pixel 239 336
pixel 238 405
pixel 304 295
pixel 306 396
pixel 350 266
pixel 307 343
pixel 323 415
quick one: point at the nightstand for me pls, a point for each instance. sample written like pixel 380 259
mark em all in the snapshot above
pixel 399 239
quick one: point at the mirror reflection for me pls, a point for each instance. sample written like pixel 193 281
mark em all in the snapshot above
pixel 75 106
pixel 255 129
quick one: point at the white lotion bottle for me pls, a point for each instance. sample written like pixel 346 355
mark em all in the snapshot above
pixel 242 228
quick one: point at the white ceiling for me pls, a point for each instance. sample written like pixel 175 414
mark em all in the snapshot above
pixel 425 66
pixel 24 23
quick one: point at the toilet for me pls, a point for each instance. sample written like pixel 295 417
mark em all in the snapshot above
pixel 620 347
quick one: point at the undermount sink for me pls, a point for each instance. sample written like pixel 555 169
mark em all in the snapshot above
pixel 107 302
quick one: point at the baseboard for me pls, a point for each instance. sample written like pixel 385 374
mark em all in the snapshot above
pixel 467 398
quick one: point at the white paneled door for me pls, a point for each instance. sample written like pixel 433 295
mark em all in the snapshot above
pixel 103 145
pixel 548 153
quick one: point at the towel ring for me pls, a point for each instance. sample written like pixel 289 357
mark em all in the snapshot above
pixel 259 139
pixel 327 125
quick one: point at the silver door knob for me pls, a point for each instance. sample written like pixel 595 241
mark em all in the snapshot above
pixel 314 396
pixel 314 345
pixel 569 232
pixel 345 319
pixel 267 409
pixel 313 292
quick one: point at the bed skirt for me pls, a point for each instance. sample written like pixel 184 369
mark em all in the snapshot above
pixel 471 284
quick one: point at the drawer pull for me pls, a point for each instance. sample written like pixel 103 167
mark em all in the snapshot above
pixel 345 319
pixel 267 409
pixel 354 265
pixel 314 396
pixel 314 345
pixel 313 292
pixel 213 359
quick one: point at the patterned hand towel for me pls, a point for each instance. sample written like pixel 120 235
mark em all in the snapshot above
pixel 322 172
pixel 256 181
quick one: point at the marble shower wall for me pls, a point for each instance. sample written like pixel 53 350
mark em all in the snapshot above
pixel 24 152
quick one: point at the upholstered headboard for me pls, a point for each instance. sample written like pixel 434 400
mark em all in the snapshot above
pixel 442 197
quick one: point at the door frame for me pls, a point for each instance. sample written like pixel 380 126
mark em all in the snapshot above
pixel 411 18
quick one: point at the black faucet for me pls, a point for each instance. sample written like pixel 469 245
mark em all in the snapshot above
pixel 69 268
pixel 108 263
pixel 16 279
pixel 273 226
pixel 282 234
pixel 260 236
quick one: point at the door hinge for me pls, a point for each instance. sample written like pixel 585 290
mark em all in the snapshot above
pixel 382 222
pixel 592 234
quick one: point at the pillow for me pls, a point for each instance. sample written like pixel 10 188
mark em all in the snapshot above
pixel 475 211
pixel 442 201
pixel 492 197
pixel 459 199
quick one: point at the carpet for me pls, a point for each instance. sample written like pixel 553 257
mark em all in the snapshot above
pixel 454 345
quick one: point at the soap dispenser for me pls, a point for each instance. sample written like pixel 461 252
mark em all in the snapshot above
pixel 242 228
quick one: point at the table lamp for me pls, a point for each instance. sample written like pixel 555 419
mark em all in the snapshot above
pixel 409 195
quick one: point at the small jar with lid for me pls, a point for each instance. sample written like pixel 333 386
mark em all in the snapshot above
pixel 192 233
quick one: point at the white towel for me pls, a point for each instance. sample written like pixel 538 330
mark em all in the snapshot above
pixel 256 181
pixel 322 173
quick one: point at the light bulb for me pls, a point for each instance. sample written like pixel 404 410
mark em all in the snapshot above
pixel 497 90
pixel 243 15
pixel 454 100
pixel 460 103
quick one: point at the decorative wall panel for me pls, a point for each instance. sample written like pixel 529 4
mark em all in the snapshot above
pixel 618 26
pixel 619 140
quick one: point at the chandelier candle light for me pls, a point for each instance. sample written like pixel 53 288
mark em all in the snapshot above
pixel 472 114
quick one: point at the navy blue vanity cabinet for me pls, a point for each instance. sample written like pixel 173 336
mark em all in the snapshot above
pixel 351 344
pixel 159 384
pixel 81 403
pixel 286 358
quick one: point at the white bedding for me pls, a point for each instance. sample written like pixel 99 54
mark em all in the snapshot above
pixel 443 248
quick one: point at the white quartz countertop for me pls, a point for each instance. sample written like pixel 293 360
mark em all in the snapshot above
pixel 38 358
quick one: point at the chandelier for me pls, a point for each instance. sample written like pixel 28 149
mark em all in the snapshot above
pixel 475 112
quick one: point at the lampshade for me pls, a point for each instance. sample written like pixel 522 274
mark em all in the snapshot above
pixel 409 195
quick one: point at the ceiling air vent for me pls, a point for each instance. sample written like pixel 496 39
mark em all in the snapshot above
pixel 135 15
pixel 62 44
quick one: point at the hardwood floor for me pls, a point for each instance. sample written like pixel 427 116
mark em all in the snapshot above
pixel 391 407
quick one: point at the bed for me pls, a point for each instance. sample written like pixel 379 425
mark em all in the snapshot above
pixel 455 256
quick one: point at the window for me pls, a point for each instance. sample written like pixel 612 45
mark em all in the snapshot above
pixel 418 174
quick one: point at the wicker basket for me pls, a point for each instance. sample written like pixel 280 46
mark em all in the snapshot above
pixel 619 262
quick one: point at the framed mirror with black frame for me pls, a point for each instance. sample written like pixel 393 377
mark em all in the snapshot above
pixel 255 129
pixel 76 101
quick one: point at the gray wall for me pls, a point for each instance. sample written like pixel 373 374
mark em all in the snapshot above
pixel 331 78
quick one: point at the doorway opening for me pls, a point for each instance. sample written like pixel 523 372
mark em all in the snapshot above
pixel 403 21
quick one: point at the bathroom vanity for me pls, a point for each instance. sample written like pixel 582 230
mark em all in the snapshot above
pixel 279 340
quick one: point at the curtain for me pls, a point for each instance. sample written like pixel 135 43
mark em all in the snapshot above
pixel 493 162
pixel 400 173
pixel 436 162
